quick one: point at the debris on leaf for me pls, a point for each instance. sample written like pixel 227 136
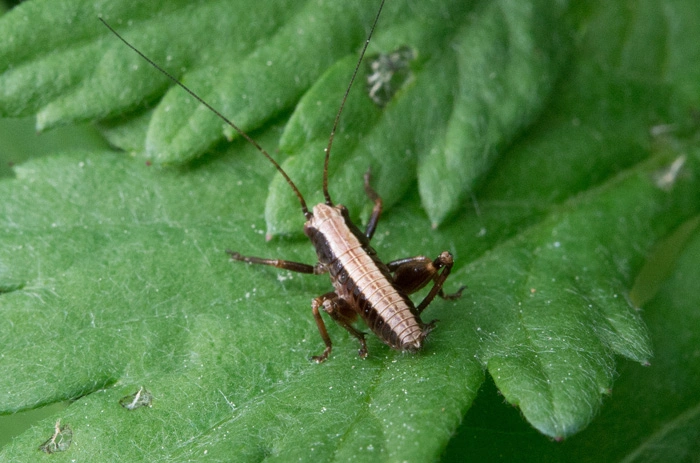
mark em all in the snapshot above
pixel 59 441
pixel 388 73
pixel 141 398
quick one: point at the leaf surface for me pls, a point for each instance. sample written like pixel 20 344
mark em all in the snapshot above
pixel 113 274
pixel 652 414
pixel 484 52
pixel 142 294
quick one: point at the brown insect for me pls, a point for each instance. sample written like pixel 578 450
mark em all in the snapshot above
pixel 363 284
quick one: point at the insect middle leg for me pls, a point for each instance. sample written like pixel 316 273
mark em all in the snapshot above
pixel 343 314
pixel 413 273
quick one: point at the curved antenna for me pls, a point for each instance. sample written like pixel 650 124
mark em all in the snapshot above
pixel 304 208
pixel 342 105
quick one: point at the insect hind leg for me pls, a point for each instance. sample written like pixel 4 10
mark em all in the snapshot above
pixel 342 313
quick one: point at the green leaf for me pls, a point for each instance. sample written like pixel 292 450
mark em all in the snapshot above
pixel 113 275
pixel 482 77
pixel 653 412
pixel 485 53
pixel 20 142
pixel 142 294
pixel 507 59
pixel 549 344
pixel 669 425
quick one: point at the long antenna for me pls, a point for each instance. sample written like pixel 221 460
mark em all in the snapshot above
pixel 304 208
pixel 342 105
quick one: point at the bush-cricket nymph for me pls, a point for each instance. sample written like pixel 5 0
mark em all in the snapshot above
pixel 363 285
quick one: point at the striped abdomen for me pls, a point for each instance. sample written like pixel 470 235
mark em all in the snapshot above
pixel 362 280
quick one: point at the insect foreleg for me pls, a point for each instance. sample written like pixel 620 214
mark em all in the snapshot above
pixel 413 273
pixel 376 210
pixel 343 314
pixel 317 269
